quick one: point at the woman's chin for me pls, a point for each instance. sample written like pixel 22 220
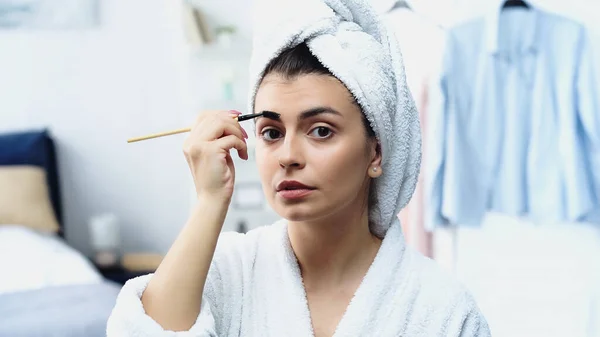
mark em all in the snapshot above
pixel 298 213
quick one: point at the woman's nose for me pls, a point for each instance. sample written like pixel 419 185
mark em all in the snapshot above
pixel 290 153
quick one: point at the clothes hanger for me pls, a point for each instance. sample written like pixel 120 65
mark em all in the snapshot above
pixel 515 4
pixel 401 4
pixel 406 4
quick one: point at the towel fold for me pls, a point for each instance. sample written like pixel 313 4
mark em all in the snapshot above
pixel 351 41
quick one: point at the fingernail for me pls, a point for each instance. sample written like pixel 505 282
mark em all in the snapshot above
pixel 235 112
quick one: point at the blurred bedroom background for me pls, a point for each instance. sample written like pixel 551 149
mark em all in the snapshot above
pixel 82 210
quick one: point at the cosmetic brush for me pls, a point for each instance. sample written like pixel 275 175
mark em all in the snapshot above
pixel 241 118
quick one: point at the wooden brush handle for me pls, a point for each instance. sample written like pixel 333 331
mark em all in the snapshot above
pixel 161 134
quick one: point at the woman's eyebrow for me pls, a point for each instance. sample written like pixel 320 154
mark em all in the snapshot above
pixel 269 115
pixel 310 113
pixel 317 111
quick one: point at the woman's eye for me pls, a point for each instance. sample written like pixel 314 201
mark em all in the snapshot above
pixel 270 134
pixel 321 132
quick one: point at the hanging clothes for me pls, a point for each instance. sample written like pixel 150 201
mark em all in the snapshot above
pixel 517 128
pixel 422 44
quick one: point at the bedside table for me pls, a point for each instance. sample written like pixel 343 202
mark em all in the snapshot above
pixel 120 275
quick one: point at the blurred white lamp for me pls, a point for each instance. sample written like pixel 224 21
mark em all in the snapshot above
pixel 105 239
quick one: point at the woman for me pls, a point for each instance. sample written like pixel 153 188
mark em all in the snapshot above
pixel 337 166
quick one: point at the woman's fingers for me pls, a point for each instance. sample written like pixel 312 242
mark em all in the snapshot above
pixel 233 142
pixel 218 125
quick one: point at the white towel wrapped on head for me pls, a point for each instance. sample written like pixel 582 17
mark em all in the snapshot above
pixel 349 39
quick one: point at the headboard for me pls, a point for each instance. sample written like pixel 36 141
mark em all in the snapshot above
pixel 35 147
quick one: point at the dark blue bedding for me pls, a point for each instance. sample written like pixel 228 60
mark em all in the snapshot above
pixel 62 311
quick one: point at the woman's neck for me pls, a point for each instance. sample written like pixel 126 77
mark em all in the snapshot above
pixel 333 249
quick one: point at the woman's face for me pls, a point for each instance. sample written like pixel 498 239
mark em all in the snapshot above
pixel 316 161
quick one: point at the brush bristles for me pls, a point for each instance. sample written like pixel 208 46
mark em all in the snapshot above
pixel 271 115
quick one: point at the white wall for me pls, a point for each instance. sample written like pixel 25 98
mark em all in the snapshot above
pixel 95 89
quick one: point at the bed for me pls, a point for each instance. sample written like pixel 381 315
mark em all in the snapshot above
pixel 47 288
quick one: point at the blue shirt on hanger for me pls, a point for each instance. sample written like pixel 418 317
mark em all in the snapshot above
pixel 518 128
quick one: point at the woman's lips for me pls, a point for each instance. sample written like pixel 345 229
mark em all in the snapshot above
pixel 295 193
pixel 293 189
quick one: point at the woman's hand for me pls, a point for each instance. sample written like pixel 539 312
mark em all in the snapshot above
pixel 174 294
pixel 207 152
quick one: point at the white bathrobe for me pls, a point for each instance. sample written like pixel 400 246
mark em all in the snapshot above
pixel 254 288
